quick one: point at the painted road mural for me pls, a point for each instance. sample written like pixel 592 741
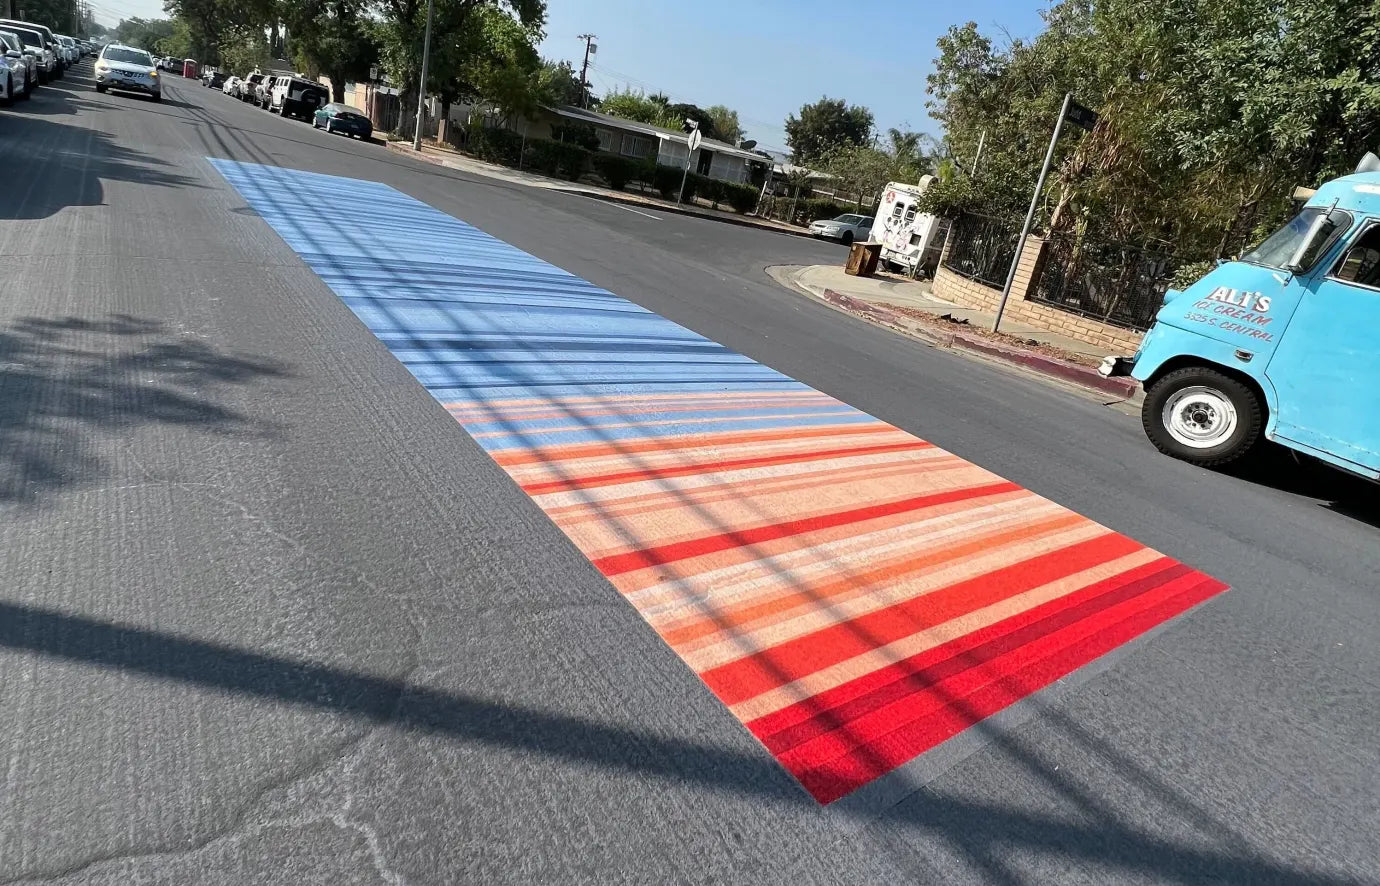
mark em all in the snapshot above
pixel 854 594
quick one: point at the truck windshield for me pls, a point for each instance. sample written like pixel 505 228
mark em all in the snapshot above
pixel 1279 247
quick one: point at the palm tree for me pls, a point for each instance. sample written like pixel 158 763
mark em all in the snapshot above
pixel 904 145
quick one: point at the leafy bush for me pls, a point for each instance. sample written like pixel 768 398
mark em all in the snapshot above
pixel 1188 274
pixel 710 189
pixel 742 198
pixel 562 159
pixel 666 180
pixel 820 207
pixel 495 145
pixel 581 134
pixel 618 171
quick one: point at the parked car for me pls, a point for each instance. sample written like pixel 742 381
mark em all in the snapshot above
pixel 231 86
pixel 14 70
pixel 247 91
pixel 213 79
pixel 297 97
pixel 35 42
pixel 69 48
pixel 51 42
pixel 16 54
pixel 845 228
pixel 129 69
pixel 168 63
pixel 263 91
pixel 340 117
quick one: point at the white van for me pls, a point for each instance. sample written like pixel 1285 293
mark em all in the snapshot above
pixel 911 240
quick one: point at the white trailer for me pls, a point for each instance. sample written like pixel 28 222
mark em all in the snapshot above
pixel 911 240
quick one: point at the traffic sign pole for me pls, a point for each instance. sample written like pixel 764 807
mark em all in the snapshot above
pixel 692 144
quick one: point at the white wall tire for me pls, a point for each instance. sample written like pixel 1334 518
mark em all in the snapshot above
pixel 1203 416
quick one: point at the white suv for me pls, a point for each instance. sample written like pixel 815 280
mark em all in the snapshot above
pixel 129 69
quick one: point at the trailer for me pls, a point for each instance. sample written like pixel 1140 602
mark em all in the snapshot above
pixel 911 240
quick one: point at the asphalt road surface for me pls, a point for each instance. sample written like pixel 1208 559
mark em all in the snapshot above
pixel 269 615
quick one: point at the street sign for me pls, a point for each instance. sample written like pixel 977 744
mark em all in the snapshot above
pixel 695 139
pixel 1084 118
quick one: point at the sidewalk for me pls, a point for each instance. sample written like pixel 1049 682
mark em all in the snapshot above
pixel 463 163
pixel 909 307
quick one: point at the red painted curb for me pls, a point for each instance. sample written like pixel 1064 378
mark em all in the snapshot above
pixel 1082 375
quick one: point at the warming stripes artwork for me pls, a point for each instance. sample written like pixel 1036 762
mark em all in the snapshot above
pixel 854 594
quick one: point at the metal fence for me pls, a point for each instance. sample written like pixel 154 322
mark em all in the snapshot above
pixel 1111 282
pixel 981 248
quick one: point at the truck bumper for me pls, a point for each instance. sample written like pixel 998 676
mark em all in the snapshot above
pixel 1115 367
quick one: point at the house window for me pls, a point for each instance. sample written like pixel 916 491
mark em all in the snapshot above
pixel 605 140
pixel 636 146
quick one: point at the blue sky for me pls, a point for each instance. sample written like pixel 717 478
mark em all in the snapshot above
pixel 766 58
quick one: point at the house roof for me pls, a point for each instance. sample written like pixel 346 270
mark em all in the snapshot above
pixel 594 118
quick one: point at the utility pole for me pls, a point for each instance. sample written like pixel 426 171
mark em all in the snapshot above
pixel 982 140
pixel 421 87
pixel 591 48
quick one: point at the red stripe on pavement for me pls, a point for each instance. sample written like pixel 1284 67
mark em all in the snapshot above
pixel 754 674
pixel 657 556
pixel 836 708
pixel 1024 671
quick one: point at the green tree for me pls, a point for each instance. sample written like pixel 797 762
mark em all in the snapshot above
pixel 726 123
pixel 557 84
pixel 1211 112
pixel 329 37
pixel 143 33
pixel 824 126
pixel 461 28
pixel 640 107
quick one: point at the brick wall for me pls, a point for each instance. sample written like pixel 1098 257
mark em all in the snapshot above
pixel 972 294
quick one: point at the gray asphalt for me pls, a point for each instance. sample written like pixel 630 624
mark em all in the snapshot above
pixel 268 615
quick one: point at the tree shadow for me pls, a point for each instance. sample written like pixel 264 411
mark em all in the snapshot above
pixel 64 381
pixel 52 165
pixel 981 828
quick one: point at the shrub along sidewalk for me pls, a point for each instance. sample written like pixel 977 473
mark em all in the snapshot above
pixel 563 167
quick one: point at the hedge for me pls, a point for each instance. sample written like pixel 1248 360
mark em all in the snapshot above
pixel 742 198
pixel 618 171
pixel 567 160
pixel 500 146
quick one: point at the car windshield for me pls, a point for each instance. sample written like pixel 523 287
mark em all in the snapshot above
pixel 347 109
pixel 128 56
pixel 30 38
pixel 1279 248
pixel 10 40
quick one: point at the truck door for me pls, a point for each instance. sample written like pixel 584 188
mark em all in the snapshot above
pixel 1326 367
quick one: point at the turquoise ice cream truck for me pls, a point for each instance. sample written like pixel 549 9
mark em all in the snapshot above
pixel 1283 344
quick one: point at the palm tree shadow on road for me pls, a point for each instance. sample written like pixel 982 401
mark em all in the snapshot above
pixel 66 383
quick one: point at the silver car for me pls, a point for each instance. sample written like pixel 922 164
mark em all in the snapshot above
pixel 845 228
pixel 129 69
pixel 22 63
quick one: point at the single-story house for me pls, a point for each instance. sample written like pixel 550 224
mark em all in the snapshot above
pixel 715 159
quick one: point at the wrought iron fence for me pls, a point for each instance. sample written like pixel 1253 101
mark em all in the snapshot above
pixel 981 248
pixel 1111 282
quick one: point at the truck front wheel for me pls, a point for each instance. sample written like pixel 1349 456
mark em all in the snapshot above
pixel 1202 416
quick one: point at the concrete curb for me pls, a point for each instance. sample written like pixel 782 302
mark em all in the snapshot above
pixel 1085 376
pixel 406 150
